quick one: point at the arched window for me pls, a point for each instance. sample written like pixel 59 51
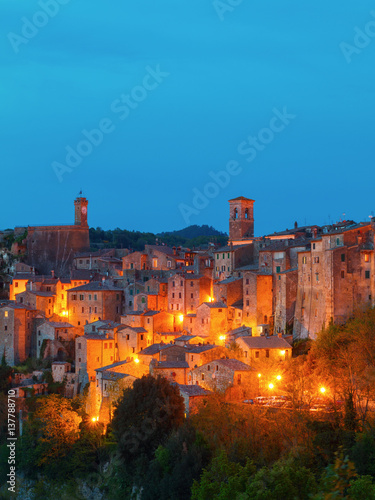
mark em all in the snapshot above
pixel 235 214
pixel 246 213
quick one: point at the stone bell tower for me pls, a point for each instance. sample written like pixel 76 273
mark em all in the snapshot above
pixel 241 218
pixel 80 211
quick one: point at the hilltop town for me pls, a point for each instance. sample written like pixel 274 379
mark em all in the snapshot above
pixel 199 317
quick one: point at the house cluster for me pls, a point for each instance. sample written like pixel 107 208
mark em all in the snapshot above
pixel 202 318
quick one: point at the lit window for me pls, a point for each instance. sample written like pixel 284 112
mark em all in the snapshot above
pixel 5 314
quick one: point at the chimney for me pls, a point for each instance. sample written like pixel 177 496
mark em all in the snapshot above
pixel 53 273
pixel 295 225
pixel 280 335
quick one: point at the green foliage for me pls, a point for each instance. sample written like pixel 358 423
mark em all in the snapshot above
pixel 362 488
pixel 176 465
pixel 191 236
pixel 363 453
pixel 5 376
pixel 336 479
pixel 146 415
pixel 222 479
pixel 286 480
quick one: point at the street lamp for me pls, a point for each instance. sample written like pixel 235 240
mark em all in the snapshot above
pixel 278 377
pixel 322 390
pixel 271 386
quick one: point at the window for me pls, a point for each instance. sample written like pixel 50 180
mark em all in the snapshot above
pixel 143 300
pixel 172 295
pixel 208 368
pixel 148 320
pixel 228 255
pixel 304 259
pixel 220 310
pixel 5 314
pixel 217 256
pixel 192 358
pixel 81 297
pixel 5 328
pixel 131 265
pixel 95 310
pixel 257 354
pixel 105 345
pixel 95 297
pixel 169 263
pixel 79 360
pixel 127 337
pixel 202 376
pixel 337 241
pixel 277 269
pixel 316 260
pixel 367 275
pixel 317 277
pixel 131 292
pixel 247 281
pixel 90 310
pixel 74 297
pixel 117 296
pixel 223 255
pixel 16 284
pixel 192 296
pixel 248 302
pixel 239 378
pixel 342 274
pixel 142 336
pixel 313 246
pixel 342 257
pixel 83 310
pixel 154 263
pixel 173 284
pixel 178 307
pixel 181 283
pixel 191 283
pixel 267 353
pixel 179 295
pixel 245 354
pixel 367 257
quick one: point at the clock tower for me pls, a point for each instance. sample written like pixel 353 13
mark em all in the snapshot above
pixel 80 211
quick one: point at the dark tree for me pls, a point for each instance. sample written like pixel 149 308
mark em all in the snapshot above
pixel 146 415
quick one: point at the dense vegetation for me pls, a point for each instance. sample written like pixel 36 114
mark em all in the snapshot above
pixel 224 450
pixel 190 237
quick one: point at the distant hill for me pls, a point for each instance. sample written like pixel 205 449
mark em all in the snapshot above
pixel 191 237
pixel 194 232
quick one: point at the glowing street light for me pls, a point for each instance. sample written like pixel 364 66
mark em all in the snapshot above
pixel 94 419
pixel 259 375
pixel 181 317
pixel 136 360
pixel 222 337
pixel 282 353
pixel 278 377
pixel 271 386
pixel 322 390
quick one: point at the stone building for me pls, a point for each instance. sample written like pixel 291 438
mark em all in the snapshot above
pixel 227 259
pixel 187 292
pixel 241 219
pixel 274 348
pixel 93 301
pixel 335 277
pixel 54 340
pixel 16 328
pixel 53 247
pixel 93 351
pixel 131 340
pixel 257 299
pixel 211 321
pixel 221 374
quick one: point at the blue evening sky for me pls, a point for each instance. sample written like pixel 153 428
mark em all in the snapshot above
pixel 221 74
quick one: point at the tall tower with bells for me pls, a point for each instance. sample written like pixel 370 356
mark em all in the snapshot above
pixel 241 218
pixel 80 211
